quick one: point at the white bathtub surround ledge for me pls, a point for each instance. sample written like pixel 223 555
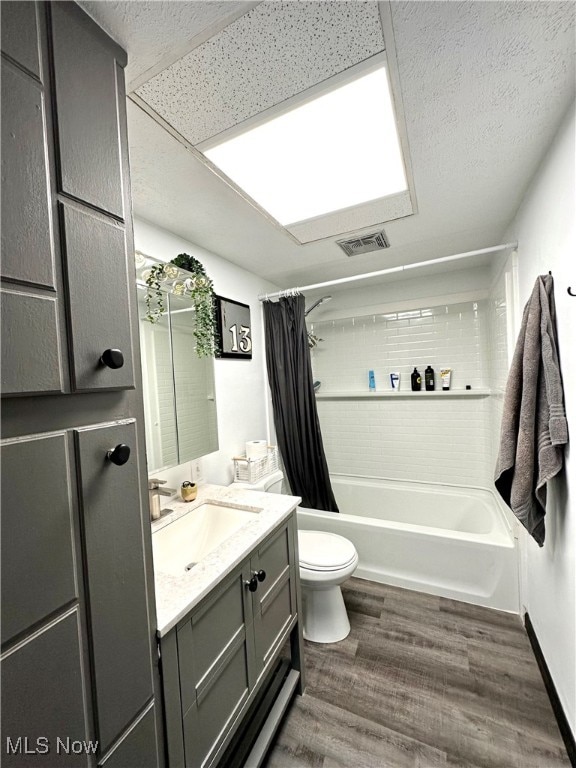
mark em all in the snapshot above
pixel 399 394
pixel 177 595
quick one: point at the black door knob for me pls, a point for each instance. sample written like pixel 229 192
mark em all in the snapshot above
pixel 119 455
pixel 112 358
pixel 260 575
pixel 252 584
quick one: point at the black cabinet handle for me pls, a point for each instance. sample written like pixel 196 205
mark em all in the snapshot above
pixel 252 584
pixel 112 358
pixel 119 455
pixel 260 575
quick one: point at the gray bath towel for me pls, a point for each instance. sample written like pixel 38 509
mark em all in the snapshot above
pixel 534 428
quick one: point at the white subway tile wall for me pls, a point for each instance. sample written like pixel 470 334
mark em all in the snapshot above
pixel 428 440
pixel 196 427
pixel 161 393
pixel 451 336
pixel 432 439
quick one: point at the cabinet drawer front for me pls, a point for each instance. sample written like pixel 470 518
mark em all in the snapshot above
pixel 20 35
pixel 206 724
pixel 111 514
pixel 42 697
pixel 99 314
pixel 203 640
pixel 87 108
pixel 27 244
pixel 273 556
pixel 37 541
pixel 30 347
pixel 274 618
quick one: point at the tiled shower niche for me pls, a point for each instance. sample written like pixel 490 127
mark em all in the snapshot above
pixel 452 336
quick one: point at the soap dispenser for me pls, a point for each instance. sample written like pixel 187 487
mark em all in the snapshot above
pixel 416 381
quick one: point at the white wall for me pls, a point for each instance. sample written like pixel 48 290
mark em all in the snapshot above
pixel 545 230
pixel 395 292
pixel 242 394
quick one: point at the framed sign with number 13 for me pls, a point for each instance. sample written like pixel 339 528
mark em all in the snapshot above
pixel 233 329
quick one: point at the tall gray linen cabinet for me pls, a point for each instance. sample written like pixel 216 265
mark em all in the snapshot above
pixel 79 667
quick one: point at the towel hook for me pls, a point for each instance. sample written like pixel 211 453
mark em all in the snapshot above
pixel 570 292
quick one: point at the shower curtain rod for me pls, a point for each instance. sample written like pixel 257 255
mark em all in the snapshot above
pixel 292 291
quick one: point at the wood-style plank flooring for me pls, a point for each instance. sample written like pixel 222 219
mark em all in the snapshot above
pixel 420 682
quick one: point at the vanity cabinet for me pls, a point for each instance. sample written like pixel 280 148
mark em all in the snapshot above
pixel 218 658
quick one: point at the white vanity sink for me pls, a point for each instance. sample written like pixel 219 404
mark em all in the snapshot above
pixel 181 544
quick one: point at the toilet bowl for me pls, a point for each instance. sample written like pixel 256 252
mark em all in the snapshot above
pixel 326 561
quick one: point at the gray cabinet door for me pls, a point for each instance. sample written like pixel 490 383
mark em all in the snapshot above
pixel 27 236
pixel 116 579
pixel 138 748
pixel 19 26
pixel 31 348
pixel 98 309
pixel 275 598
pixel 86 81
pixel 38 552
pixel 43 706
pixel 77 603
pixel 215 658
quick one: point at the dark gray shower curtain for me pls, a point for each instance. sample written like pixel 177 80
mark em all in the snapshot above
pixel 294 403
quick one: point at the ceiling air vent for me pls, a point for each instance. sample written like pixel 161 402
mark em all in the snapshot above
pixel 375 241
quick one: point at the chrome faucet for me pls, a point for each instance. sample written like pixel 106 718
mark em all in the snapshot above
pixel 154 493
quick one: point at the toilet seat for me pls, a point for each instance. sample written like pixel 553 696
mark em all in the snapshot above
pixel 320 551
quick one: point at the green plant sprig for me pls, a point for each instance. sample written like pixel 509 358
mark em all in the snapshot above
pixel 155 306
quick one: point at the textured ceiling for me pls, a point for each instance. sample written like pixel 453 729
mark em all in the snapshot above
pixel 273 52
pixel 155 34
pixel 484 86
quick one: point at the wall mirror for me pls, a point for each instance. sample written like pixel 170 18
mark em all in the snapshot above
pixel 178 386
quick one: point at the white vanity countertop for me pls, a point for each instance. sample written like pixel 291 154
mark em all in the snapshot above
pixel 177 595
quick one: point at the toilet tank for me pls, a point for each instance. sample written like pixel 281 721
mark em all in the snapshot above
pixel 269 484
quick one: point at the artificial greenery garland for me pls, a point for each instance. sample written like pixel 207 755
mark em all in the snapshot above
pixel 155 306
pixel 198 287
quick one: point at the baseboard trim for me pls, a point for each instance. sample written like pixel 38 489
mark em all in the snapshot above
pixel 561 719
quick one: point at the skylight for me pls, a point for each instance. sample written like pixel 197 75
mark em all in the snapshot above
pixel 336 151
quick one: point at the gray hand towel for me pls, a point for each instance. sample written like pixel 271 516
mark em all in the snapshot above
pixel 534 428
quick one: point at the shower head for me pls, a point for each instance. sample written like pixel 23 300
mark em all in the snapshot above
pixel 317 304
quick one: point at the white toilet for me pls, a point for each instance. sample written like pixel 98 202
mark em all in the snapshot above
pixel 326 561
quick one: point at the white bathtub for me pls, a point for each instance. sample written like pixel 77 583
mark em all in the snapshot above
pixel 444 540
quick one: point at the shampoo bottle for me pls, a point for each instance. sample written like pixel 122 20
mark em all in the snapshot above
pixel 416 380
pixel 429 379
pixel 371 381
